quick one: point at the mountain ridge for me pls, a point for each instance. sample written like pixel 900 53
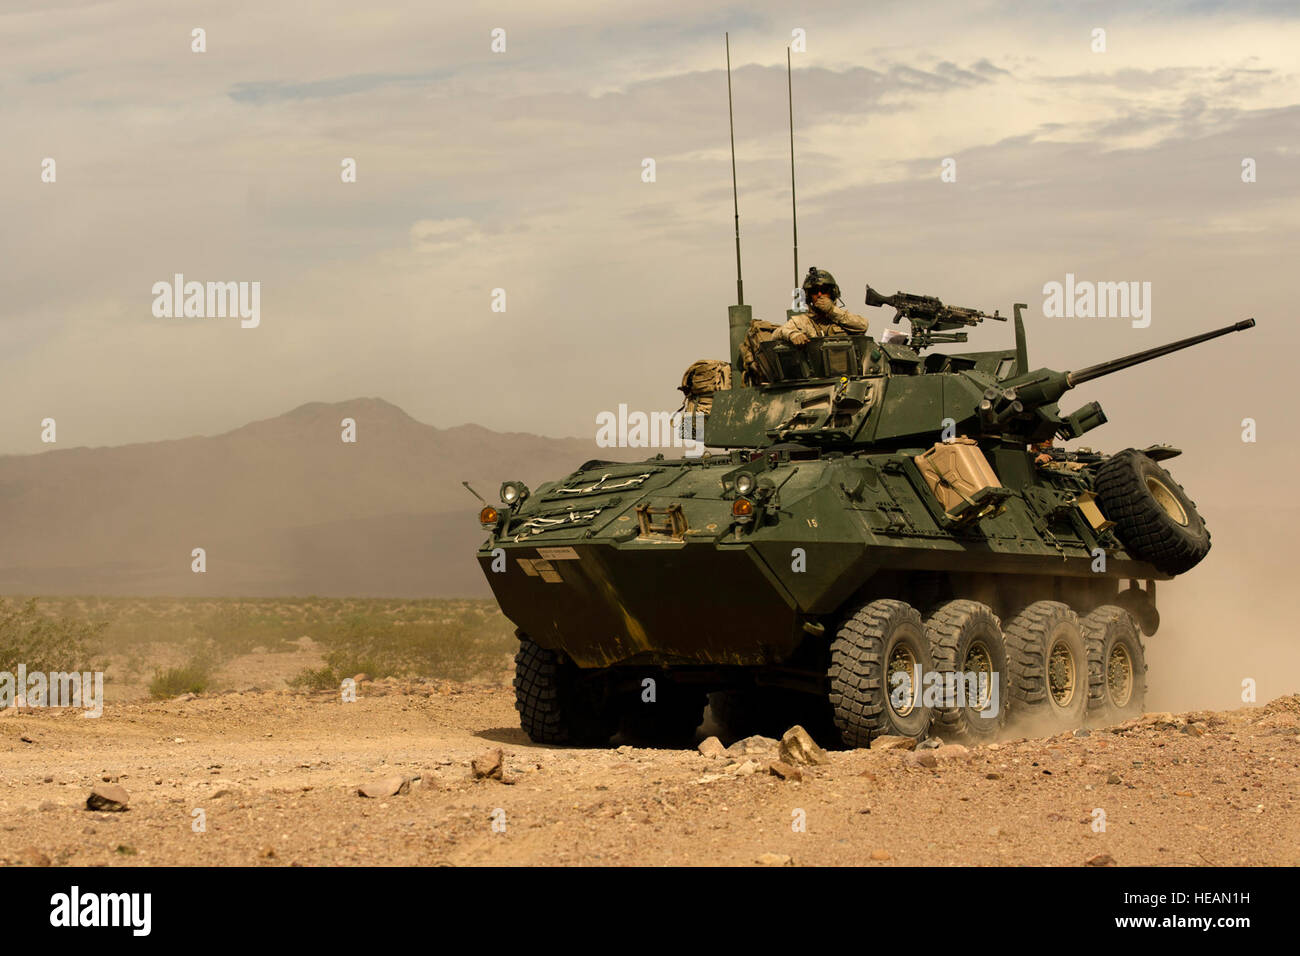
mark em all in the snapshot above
pixel 280 502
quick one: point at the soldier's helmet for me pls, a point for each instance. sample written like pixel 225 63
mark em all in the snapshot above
pixel 819 280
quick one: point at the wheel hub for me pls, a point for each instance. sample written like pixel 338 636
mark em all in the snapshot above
pixel 1119 675
pixel 1061 674
pixel 902 688
pixel 1166 499
pixel 979 662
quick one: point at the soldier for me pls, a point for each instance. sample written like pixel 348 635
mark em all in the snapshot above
pixel 823 317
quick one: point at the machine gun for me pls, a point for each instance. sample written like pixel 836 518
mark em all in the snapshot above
pixel 931 321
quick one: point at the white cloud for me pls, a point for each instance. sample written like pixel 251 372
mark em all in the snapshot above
pixel 439 235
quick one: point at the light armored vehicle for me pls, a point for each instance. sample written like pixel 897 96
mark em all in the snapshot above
pixel 882 539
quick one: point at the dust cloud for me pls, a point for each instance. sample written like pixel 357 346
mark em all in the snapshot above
pixel 1230 619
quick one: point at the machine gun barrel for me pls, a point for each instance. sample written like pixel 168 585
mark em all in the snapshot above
pixel 1137 358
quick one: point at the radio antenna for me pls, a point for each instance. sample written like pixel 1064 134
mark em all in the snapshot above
pixel 794 213
pixel 735 199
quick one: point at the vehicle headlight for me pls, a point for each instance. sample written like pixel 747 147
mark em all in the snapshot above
pixel 744 483
pixel 513 492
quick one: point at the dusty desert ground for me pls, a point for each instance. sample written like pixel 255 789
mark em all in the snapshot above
pixel 276 776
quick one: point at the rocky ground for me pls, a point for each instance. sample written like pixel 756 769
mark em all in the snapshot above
pixel 273 777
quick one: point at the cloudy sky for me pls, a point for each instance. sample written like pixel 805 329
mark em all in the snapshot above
pixel 522 170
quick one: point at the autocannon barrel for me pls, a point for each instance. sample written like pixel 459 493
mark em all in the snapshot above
pixel 1035 389
pixel 1137 358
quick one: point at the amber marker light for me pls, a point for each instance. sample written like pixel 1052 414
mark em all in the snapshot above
pixel 489 516
pixel 742 508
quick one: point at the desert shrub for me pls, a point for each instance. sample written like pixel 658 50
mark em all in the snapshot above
pixel 317 678
pixel 44 642
pixel 189 678
pixel 237 627
pixel 455 643
pixel 454 639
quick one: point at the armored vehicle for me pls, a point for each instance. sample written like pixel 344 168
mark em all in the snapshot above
pixel 882 539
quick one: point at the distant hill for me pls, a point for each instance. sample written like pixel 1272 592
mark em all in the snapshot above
pixel 282 507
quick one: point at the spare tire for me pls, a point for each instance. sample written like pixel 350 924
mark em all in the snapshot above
pixel 1153 516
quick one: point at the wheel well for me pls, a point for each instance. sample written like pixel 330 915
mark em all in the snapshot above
pixel 1006 594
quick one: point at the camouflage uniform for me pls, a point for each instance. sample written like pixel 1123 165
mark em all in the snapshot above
pixel 831 320
pixel 815 324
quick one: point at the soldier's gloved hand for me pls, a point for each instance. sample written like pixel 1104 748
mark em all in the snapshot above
pixel 798 338
pixel 822 302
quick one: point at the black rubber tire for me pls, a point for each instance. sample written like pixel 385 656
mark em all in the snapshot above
pixel 954 629
pixel 670 720
pixel 555 704
pixel 1031 637
pixel 861 708
pixel 1148 530
pixel 1105 629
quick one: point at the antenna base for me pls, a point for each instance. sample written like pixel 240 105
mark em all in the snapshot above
pixel 738 319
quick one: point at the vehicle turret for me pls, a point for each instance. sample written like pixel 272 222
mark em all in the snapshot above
pixel 855 393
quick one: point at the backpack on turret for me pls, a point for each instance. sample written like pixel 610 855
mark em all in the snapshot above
pixel 699 383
